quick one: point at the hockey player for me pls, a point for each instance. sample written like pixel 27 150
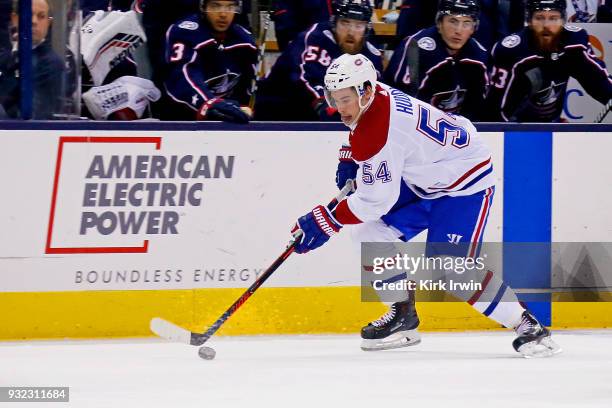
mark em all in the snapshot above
pixel 443 64
pixel 293 90
pixel 409 152
pixel 209 65
pixel 530 69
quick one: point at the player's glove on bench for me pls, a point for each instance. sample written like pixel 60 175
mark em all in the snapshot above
pixel 325 112
pixel 347 168
pixel 316 226
pixel 222 109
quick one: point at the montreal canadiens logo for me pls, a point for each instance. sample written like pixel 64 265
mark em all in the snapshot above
pixel 427 43
pixel 511 41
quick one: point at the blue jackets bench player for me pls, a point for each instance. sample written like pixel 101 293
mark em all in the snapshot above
pixel 293 90
pixel 209 65
pixel 450 76
pixel 530 69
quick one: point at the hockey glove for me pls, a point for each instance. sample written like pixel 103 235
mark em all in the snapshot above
pixel 325 112
pixel 316 227
pixel 225 110
pixel 347 168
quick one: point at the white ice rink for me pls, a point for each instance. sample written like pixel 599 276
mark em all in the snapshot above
pixel 445 370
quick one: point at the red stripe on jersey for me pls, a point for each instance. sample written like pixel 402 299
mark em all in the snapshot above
pixel 477 295
pixel 371 133
pixel 344 215
pixel 482 218
pixel 466 175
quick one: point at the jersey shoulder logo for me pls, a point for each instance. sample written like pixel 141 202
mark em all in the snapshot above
pixel 572 28
pixel 189 25
pixel 427 43
pixel 511 41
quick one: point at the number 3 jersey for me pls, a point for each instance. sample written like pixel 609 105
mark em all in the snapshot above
pixel 528 85
pixel 200 67
pixel 295 83
pixel 402 140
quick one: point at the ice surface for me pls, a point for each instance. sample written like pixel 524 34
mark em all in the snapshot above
pixel 445 370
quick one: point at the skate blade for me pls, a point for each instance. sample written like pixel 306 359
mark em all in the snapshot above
pixel 546 347
pixel 397 340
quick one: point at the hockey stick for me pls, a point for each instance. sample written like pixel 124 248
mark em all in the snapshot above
pixel 173 332
pixel 604 112
pixel 260 59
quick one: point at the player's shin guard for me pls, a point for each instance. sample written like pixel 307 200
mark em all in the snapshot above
pixel 497 301
pixel 396 328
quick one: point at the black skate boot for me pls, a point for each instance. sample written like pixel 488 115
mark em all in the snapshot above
pixel 533 339
pixel 396 328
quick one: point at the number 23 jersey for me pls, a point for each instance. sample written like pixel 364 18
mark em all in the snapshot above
pixel 401 139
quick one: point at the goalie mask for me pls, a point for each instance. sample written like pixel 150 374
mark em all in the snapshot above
pixel 351 71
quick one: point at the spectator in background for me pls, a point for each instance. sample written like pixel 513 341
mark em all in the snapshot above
pixel 293 90
pixel 292 17
pixel 47 69
pixel 530 69
pixel 209 57
pixel 443 65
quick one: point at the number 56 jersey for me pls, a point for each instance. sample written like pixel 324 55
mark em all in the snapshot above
pixel 400 139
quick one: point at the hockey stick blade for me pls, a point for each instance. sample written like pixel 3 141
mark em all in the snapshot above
pixel 170 331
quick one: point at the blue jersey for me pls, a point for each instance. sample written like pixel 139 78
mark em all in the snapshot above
pixel 415 15
pixel 295 83
pixel 528 85
pixel 422 67
pixel 199 67
pixel 291 17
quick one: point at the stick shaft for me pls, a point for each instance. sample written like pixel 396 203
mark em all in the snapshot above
pixel 261 52
pixel 199 339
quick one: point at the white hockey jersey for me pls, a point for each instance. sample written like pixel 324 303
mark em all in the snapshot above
pixel 402 139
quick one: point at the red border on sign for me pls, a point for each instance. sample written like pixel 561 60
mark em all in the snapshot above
pixel 58 165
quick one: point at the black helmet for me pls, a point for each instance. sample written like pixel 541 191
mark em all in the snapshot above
pixel 469 8
pixel 354 9
pixel 544 5
pixel 238 4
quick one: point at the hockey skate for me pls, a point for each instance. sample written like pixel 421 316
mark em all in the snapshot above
pixel 396 328
pixel 534 339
